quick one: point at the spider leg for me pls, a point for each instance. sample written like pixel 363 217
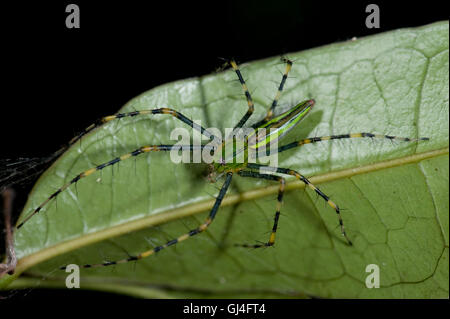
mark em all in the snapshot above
pixel 287 171
pixel 141 150
pixel 311 140
pixel 193 232
pixel 282 181
pixel 166 111
pixel 271 113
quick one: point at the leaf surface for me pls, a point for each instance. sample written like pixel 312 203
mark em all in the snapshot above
pixel 394 195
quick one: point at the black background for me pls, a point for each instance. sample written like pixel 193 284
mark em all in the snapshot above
pixel 57 81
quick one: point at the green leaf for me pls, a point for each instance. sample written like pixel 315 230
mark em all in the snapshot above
pixel 394 195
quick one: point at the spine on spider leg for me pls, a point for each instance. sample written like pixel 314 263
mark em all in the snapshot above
pixel 110 118
pixel 251 106
pixel 36 166
pixel 24 169
pixel 172 242
pixel 321 194
pixel 166 111
pixel 312 140
pixel 270 112
pixel 299 176
pixel 141 150
pixel 280 89
pixel 282 182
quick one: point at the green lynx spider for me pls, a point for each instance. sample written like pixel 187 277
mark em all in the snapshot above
pixel 277 125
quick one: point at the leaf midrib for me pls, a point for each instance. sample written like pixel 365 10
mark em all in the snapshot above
pixel 192 209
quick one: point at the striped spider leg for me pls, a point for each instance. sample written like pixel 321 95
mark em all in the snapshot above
pixel 123 157
pixel 299 176
pixel 282 181
pixel 228 174
pixel 181 238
